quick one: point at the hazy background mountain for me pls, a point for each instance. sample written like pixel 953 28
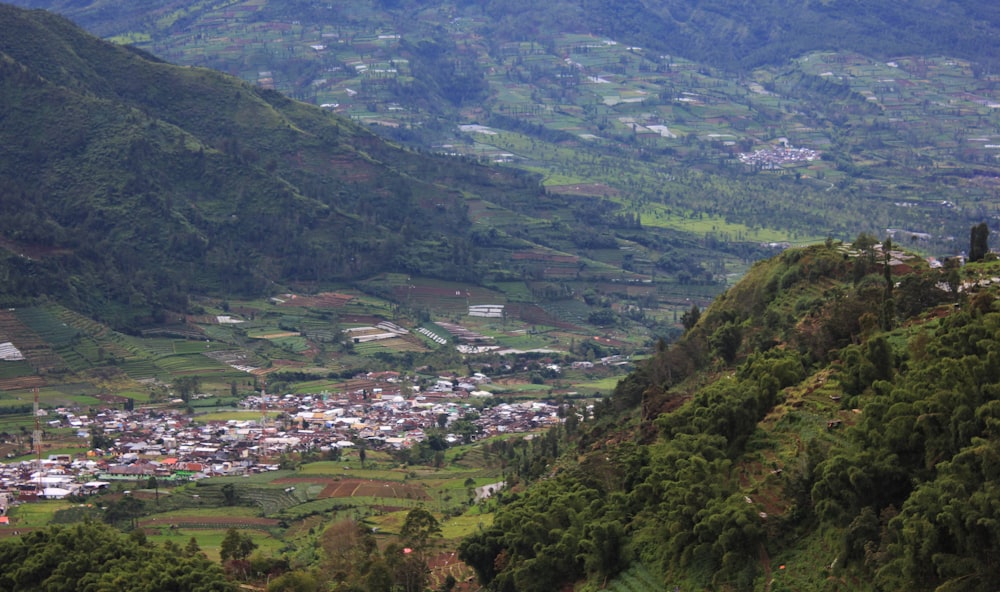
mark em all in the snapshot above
pixel 649 106
pixel 722 33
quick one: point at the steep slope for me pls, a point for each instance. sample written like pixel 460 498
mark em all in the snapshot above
pixel 128 183
pixel 829 423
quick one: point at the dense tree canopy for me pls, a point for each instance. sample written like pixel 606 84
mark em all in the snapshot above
pixel 98 558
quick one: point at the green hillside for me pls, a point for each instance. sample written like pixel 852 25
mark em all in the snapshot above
pixel 655 125
pixel 826 424
pixel 130 184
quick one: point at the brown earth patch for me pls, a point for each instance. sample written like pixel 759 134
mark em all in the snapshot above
pixel 360 488
pixel 288 363
pixel 353 169
pixel 447 563
pixel 33 251
pixel 322 300
pixel 22 383
pixel 546 257
pixel 360 319
pixel 433 291
pixel 208 522
pixel 536 315
pixel 280 334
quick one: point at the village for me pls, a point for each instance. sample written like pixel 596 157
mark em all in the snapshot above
pixel 774 157
pixel 381 411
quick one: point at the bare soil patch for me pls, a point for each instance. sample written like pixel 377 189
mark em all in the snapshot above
pixel 361 488
pixel 208 522
pixel 22 383
pixel 322 300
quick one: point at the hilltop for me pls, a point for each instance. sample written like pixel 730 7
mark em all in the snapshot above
pixel 827 423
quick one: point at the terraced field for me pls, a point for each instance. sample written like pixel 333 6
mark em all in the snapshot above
pixel 340 488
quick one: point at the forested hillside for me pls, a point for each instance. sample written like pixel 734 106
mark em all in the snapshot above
pixel 129 184
pixel 827 424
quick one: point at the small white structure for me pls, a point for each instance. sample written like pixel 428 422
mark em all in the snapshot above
pixel 55 493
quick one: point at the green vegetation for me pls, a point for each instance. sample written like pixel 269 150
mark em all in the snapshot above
pixel 259 526
pixel 225 195
pixel 793 415
pixel 792 425
pixel 637 139
pixel 635 113
pixel 831 413
pixel 96 557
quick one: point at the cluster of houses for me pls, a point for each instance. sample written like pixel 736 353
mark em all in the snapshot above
pixel 379 411
pixel 775 156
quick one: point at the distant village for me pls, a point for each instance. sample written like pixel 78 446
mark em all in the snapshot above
pixel 775 156
pixel 378 411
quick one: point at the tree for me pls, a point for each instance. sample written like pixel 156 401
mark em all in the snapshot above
pixel 419 527
pixel 186 386
pixel 726 341
pixel 229 495
pixel 864 242
pixel 192 548
pixel 294 581
pixel 348 548
pixel 93 556
pixel 236 545
pixel 979 242
pixel 408 567
pixel 126 510
pixel 604 549
pixel 98 439
pixel 690 318
pixel 155 486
